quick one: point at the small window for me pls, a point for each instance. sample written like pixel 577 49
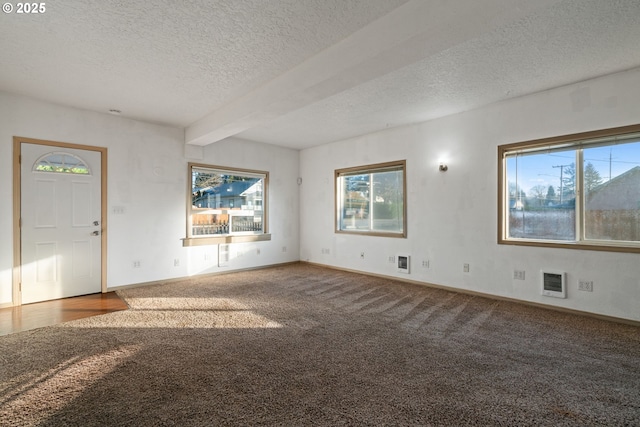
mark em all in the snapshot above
pixel 226 205
pixel 61 163
pixel 371 200
pixel 574 191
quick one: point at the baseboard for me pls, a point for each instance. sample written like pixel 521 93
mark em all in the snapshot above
pixel 203 275
pixel 399 279
pixel 485 295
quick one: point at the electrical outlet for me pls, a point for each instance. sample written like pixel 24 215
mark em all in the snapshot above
pixel 136 264
pixel 426 263
pixel 518 274
pixel 392 259
pixel 325 251
pixel 284 249
pixel 258 251
pixel 176 262
pixel 361 255
pixel 585 285
pixel 465 268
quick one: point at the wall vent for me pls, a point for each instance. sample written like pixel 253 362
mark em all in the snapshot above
pixel 553 283
pixel 404 262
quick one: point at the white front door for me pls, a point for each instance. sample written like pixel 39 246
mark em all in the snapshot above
pixel 61 222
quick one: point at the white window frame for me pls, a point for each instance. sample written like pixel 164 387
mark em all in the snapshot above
pixel 400 165
pixel 577 142
pixel 193 239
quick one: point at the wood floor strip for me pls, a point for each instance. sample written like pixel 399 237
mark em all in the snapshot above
pixel 41 314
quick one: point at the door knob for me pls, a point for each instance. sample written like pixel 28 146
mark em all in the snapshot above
pixel 96 223
pixel 95 233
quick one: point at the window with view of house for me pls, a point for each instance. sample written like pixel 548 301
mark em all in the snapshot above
pixel 226 205
pixel 578 191
pixel 371 199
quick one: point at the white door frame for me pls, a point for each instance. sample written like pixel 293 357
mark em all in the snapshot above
pixel 17 203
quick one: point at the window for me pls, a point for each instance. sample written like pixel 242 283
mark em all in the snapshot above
pixel 371 200
pixel 61 163
pixel 580 191
pixel 226 205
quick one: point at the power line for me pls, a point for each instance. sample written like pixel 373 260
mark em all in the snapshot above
pixel 561 180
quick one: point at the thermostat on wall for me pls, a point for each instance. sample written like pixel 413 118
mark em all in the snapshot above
pixel 403 263
pixel 553 284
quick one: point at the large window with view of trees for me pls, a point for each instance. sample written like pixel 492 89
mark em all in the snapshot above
pixel 371 199
pixel 578 191
pixel 226 205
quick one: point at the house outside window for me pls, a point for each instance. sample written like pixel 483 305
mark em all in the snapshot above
pixel 371 199
pixel 226 205
pixel 576 191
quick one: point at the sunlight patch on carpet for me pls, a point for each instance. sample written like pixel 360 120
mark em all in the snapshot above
pixel 174 319
pixel 182 303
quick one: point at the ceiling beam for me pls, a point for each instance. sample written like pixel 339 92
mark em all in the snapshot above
pixel 412 32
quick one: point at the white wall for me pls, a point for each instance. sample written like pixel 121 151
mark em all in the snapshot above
pixel 452 216
pixel 147 179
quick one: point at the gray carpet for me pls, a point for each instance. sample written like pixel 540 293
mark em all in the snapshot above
pixel 303 345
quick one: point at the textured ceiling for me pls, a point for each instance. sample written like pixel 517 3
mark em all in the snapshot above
pixel 167 61
pixel 299 73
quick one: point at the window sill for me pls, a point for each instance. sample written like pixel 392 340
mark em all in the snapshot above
pixel 585 245
pixel 354 232
pixel 211 240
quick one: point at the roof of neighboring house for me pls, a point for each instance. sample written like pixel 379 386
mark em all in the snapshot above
pixel 621 192
pixel 229 189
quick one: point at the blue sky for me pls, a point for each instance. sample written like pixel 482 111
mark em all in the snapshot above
pixel 539 169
